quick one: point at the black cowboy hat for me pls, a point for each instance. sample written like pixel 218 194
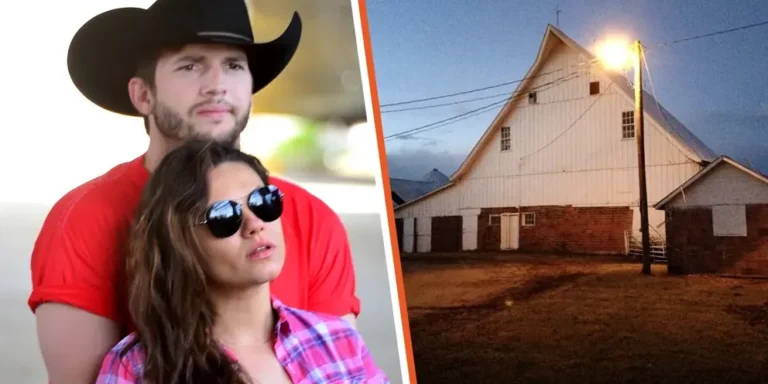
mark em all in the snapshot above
pixel 104 54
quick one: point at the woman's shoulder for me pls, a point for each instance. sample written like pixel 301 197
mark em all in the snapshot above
pixel 317 331
pixel 128 345
pixel 319 324
pixel 123 361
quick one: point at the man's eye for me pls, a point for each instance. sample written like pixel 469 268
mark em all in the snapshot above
pixel 236 66
pixel 187 67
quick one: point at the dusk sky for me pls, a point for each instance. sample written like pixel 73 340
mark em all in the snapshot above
pixel 717 86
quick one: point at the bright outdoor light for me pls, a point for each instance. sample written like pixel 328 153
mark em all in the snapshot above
pixel 615 53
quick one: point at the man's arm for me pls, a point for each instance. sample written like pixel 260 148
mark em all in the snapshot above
pixel 74 274
pixel 333 288
pixel 73 342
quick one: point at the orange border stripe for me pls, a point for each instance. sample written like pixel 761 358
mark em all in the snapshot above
pixel 387 191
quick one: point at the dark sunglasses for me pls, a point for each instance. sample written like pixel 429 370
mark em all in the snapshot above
pixel 225 217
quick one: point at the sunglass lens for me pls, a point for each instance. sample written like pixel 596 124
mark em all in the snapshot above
pixel 224 218
pixel 266 203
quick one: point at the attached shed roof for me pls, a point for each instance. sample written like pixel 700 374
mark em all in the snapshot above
pixel 707 170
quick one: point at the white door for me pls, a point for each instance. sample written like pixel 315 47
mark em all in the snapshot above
pixel 408 235
pixel 469 233
pixel 510 231
pixel 423 234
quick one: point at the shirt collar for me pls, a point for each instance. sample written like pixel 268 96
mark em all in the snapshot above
pixel 284 317
pixel 282 325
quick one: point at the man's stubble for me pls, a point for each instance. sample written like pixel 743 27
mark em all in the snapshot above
pixel 172 126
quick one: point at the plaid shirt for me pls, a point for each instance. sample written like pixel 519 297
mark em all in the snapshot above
pixel 312 348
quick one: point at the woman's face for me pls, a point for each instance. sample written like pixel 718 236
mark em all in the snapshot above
pixel 255 254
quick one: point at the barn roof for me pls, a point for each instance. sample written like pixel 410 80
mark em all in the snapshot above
pixel 409 190
pixel 675 131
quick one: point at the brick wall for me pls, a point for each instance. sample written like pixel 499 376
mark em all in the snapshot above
pixel 563 229
pixel 692 247
pixel 488 236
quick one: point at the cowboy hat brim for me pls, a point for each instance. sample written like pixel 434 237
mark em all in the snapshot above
pixel 104 54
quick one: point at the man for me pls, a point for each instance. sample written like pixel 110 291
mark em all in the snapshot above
pixel 189 67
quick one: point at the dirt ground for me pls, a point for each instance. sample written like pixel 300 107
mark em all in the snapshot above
pixel 581 319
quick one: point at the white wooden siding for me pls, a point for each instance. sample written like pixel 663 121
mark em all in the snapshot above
pixel 588 165
pixel 723 185
pixel 442 203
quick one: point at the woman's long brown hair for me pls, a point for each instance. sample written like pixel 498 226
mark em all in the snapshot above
pixel 167 285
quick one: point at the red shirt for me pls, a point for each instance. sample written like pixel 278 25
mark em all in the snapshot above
pixel 76 259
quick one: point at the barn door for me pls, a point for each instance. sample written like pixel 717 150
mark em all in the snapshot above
pixel 409 235
pixel 510 231
pixel 399 230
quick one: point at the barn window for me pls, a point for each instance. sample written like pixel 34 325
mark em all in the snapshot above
pixel 628 125
pixel 529 219
pixel 532 98
pixel 594 88
pixel 494 219
pixel 506 139
pixel 729 221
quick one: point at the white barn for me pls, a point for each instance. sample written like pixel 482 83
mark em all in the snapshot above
pixel 556 170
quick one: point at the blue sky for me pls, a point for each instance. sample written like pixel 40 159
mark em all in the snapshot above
pixel 717 86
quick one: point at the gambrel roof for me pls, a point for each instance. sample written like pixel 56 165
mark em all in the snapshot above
pixel 676 132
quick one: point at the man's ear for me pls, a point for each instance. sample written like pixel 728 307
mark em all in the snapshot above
pixel 141 95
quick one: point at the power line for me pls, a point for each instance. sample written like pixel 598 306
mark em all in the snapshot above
pixel 476 112
pixel 589 62
pixel 507 100
pixel 754 25
pixel 572 124
pixel 469 91
pixel 447 104
pixel 721 32
pixel 492 107
pixel 510 98
pixel 661 110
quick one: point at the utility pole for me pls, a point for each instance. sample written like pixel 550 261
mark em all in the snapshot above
pixel 639 134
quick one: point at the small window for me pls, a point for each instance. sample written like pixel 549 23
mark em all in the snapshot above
pixel 532 98
pixel 594 88
pixel 529 219
pixel 494 220
pixel 729 221
pixel 628 125
pixel 506 139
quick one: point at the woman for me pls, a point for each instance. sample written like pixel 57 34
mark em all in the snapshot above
pixel 206 243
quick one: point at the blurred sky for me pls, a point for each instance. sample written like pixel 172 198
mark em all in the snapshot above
pixel 54 138
pixel 716 86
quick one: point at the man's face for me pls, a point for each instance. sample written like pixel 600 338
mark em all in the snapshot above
pixel 202 91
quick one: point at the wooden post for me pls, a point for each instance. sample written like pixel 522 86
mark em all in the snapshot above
pixel 639 134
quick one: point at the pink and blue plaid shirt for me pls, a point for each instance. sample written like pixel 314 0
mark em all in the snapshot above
pixel 312 348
